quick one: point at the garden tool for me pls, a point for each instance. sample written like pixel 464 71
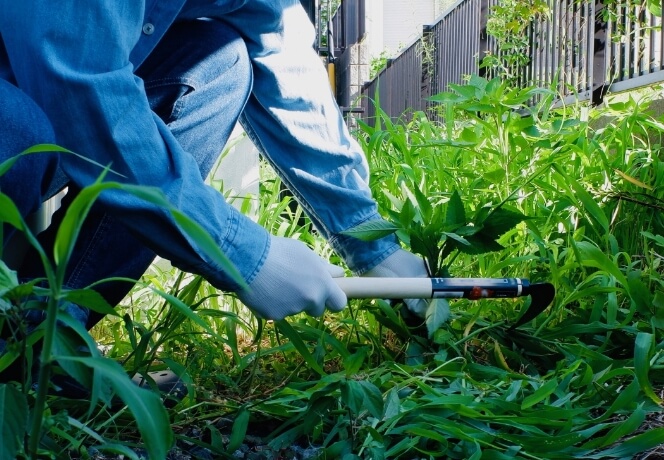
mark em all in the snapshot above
pixel 541 294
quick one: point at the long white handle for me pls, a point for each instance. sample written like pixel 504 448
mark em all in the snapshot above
pixel 385 288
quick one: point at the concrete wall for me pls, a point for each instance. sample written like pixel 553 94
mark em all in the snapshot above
pixel 352 72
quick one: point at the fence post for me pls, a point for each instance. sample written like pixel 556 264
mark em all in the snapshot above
pixel 599 59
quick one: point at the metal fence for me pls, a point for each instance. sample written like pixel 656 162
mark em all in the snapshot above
pixel 445 53
pixel 635 51
pixel 348 23
pixel 581 49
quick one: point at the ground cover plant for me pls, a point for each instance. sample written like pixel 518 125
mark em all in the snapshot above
pixel 483 186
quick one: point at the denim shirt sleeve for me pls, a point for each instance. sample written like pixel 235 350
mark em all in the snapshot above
pixel 294 120
pixel 73 59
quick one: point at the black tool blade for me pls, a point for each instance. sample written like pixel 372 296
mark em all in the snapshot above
pixel 541 296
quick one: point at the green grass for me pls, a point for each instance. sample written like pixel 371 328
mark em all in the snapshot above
pixel 583 380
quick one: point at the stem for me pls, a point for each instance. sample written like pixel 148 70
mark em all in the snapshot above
pixel 44 370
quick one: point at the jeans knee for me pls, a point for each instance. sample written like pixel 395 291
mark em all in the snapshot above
pixel 22 122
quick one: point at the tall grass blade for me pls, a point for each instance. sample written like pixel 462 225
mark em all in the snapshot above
pixel 642 354
pixel 146 407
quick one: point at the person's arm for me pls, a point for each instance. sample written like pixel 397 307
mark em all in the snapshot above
pixel 294 120
pixel 72 58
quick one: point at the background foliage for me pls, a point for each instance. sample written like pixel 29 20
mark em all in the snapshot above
pixel 583 380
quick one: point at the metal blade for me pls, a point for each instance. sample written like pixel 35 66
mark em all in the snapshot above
pixel 541 296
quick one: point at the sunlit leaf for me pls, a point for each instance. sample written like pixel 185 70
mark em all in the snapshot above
pixel 371 230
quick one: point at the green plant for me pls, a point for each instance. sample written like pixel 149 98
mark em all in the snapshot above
pixel 583 380
pixel 508 24
pixel 64 346
pixel 378 63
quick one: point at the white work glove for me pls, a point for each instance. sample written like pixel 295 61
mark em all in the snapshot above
pixel 293 279
pixel 403 264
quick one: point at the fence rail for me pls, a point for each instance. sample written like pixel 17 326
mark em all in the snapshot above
pixel 582 49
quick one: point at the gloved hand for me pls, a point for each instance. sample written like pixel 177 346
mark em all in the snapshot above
pixel 403 264
pixel 293 279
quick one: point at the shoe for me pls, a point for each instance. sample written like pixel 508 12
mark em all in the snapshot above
pixel 171 387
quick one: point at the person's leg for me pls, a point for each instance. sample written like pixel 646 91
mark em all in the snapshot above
pixel 197 81
pixel 22 125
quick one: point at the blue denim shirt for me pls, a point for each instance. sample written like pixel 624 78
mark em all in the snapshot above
pixel 77 61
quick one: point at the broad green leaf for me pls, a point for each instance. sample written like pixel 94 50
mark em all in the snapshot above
pixel 386 316
pixel 500 220
pixel 459 239
pixel 404 446
pixel 239 430
pixel 495 176
pixel 659 239
pixel 146 407
pixel 371 230
pixel 642 354
pixel 456 214
pixel 625 400
pixel 467 92
pixel 427 433
pixel 392 404
pixel 352 396
pixel 479 244
pixel 67 344
pixel 8 278
pixel 9 213
pixel 373 399
pixel 655 7
pixel 437 314
pixel 415 353
pixel 353 363
pixel 13 421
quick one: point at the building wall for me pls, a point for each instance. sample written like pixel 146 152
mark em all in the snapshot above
pixel 391 24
